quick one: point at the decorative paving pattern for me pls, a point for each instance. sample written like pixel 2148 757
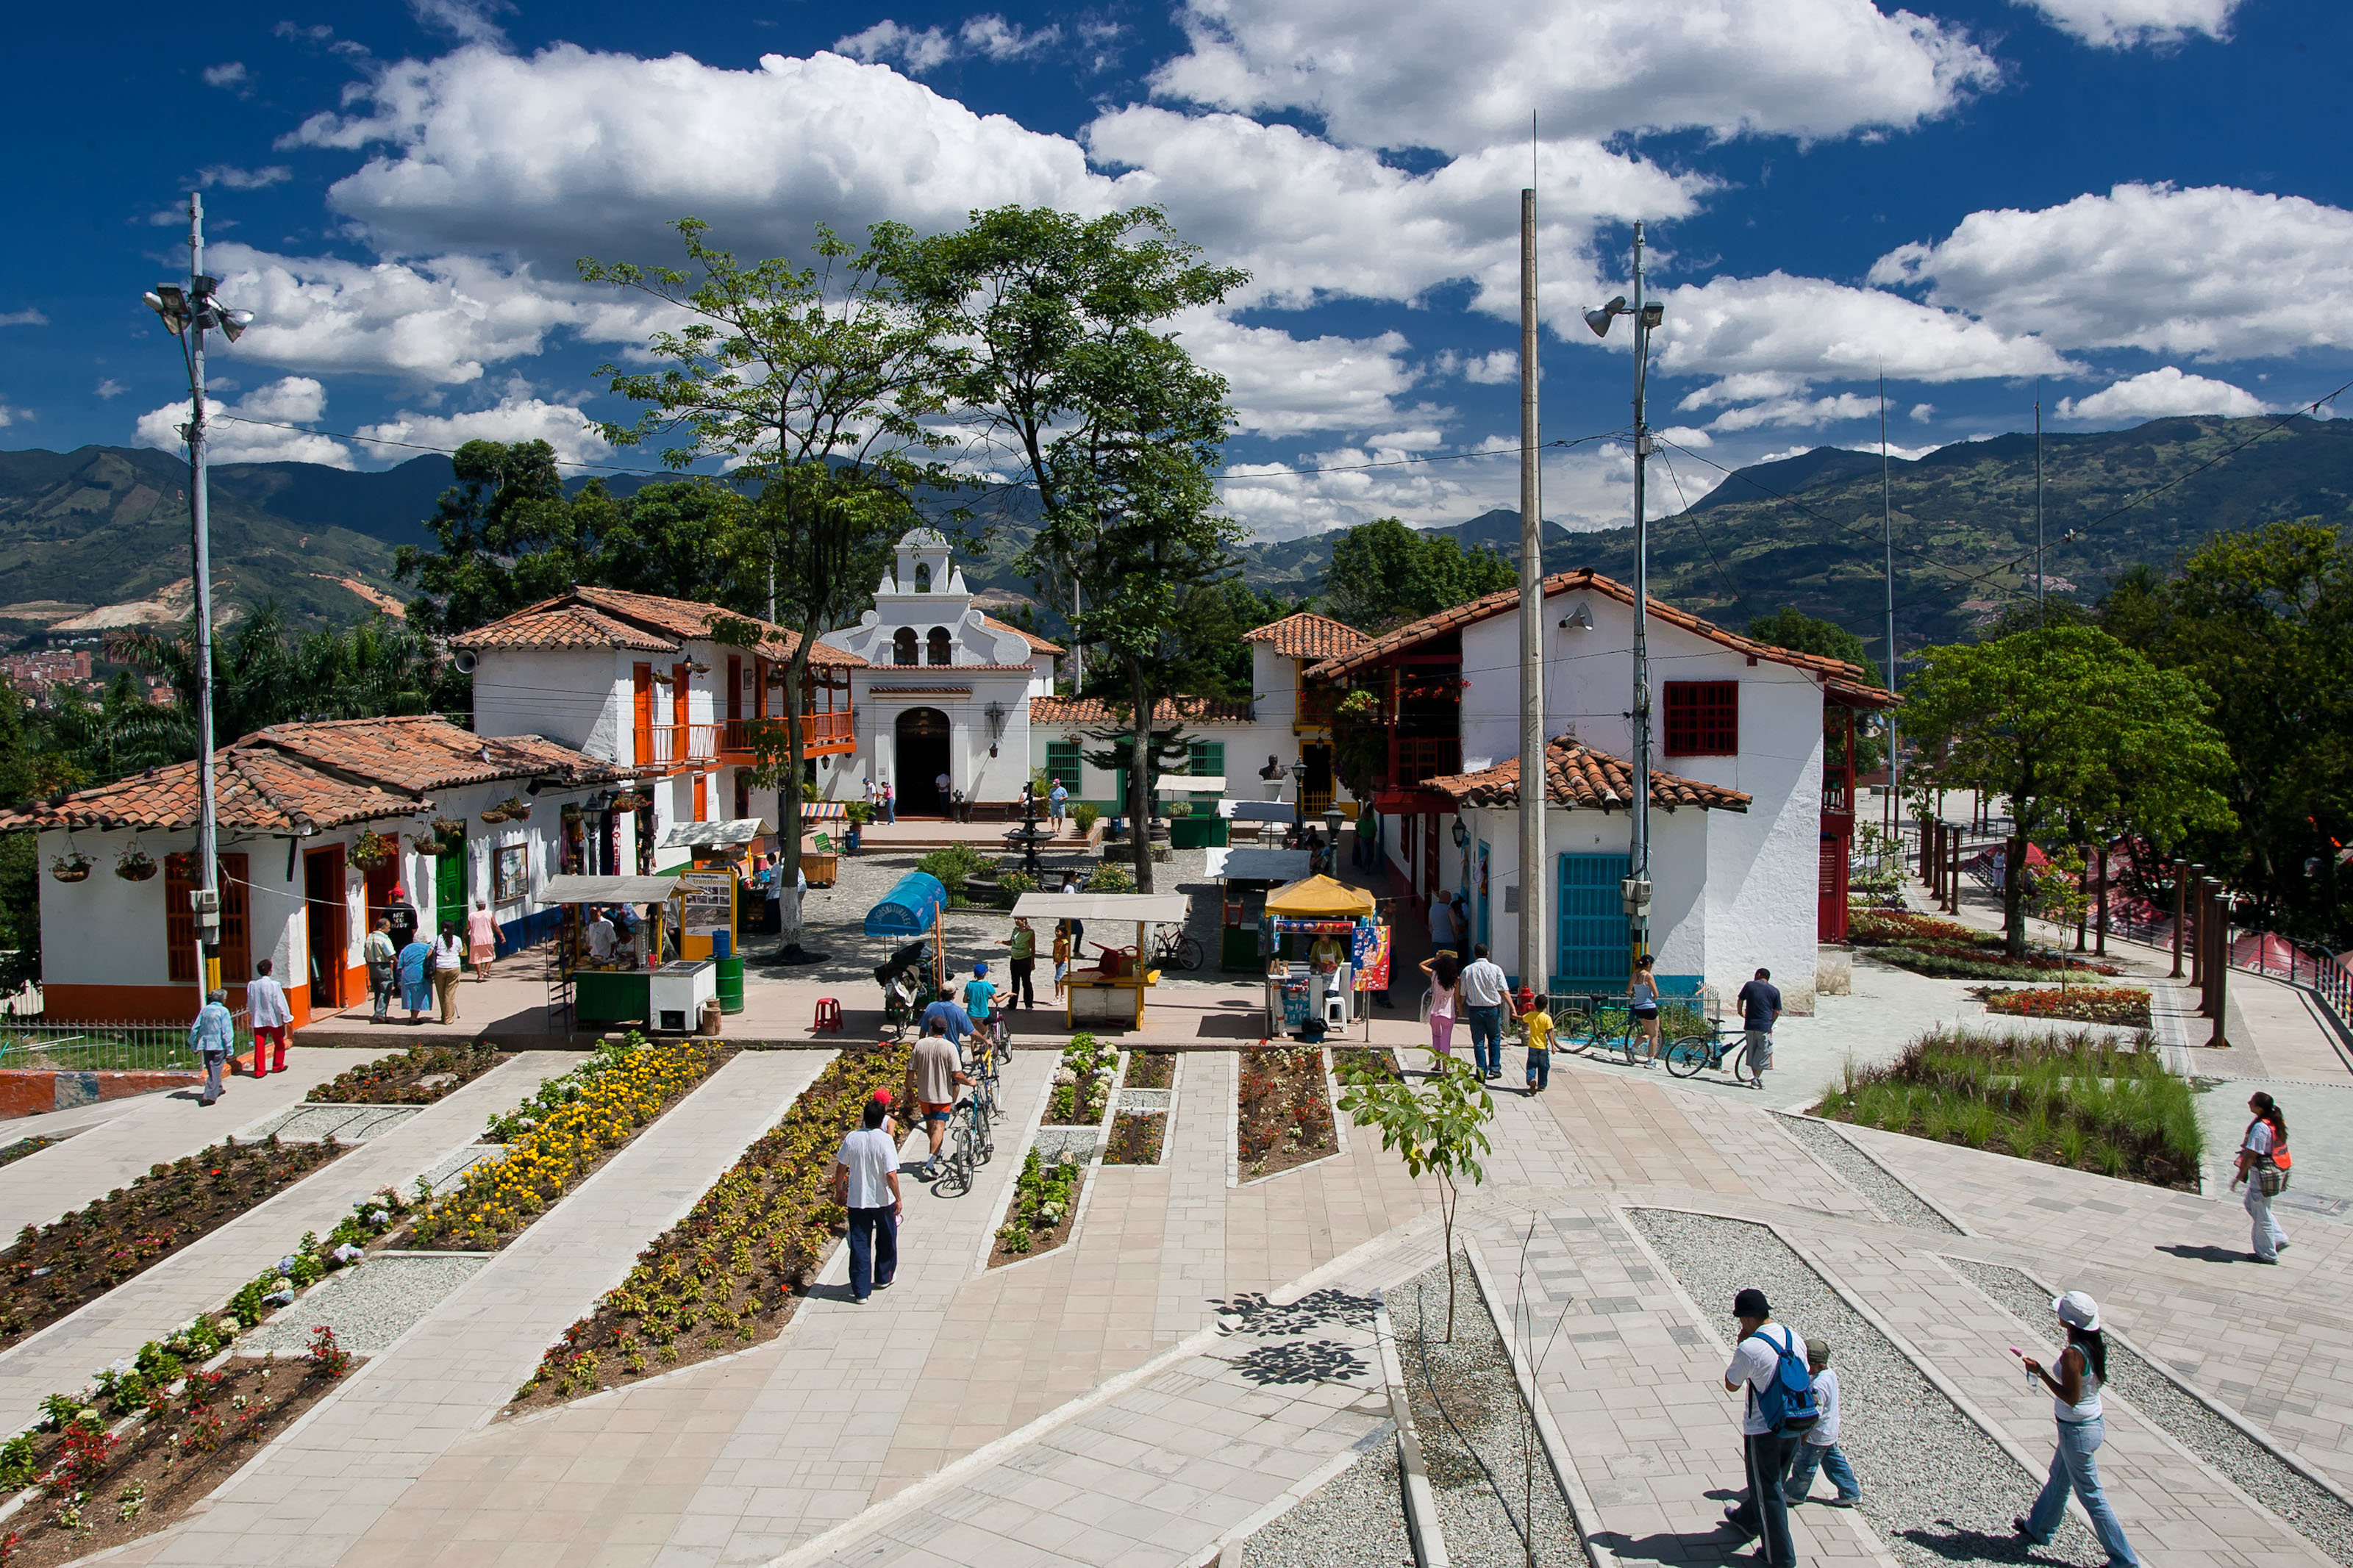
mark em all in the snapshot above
pixel 344 1123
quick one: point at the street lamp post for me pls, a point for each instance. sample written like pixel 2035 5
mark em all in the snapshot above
pixel 186 313
pixel 1647 317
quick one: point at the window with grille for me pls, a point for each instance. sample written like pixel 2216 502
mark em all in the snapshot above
pixel 1208 760
pixel 180 919
pixel 1062 762
pixel 1703 718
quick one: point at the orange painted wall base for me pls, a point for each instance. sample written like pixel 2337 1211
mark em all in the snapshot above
pixel 36 1092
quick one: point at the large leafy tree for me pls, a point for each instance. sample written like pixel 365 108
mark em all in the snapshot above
pixel 1075 378
pixel 1792 628
pixel 816 383
pixel 2263 620
pixel 1384 574
pixel 2079 732
pixel 507 534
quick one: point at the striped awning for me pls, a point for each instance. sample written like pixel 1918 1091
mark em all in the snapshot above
pixel 825 811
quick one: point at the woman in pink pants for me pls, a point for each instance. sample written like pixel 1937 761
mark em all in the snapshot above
pixel 1444 972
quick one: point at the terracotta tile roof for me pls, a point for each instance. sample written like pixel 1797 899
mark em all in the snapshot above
pixel 1577 775
pixel 587 616
pixel 1584 580
pixel 425 752
pixel 1309 635
pixel 1037 643
pixel 324 776
pixel 256 789
pixel 1169 710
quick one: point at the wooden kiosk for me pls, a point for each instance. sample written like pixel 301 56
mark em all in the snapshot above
pixel 619 989
pixel 1111 992
pixel 1244 877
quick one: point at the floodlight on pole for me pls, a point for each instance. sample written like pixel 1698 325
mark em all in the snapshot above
pixel 186 313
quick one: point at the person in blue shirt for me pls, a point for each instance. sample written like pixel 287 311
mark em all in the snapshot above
pixel 958 1021
pixel 980 997
pixel 1058 801
pixel 213 1036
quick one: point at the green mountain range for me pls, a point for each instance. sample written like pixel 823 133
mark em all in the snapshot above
pixel 99 535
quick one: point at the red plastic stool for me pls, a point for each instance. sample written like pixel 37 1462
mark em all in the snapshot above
pixel 829 1016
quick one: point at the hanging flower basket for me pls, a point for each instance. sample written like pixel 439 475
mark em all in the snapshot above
pixel 448 833
pixel 627 802
pixel 373 849
pixel 73 867
pixel 512 809
pixel 135 865
pixel 494 816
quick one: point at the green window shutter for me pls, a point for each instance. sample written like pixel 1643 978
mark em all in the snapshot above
pixel 1210 759
pixel 1594 949
pixel 1062 761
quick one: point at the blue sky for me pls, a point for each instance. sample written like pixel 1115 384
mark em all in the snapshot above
pixel 2142 202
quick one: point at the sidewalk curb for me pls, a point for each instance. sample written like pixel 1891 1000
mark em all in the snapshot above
pixel 1581 1506
pixel 1421 1503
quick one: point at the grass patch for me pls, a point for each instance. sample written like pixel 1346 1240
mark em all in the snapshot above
pixel 2079 1100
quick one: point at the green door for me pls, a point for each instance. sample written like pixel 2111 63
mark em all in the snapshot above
pixel 449 893
pixel 1593 952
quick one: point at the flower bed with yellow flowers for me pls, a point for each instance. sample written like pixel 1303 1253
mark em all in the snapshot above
pixel 727 1275
pixel 572 1126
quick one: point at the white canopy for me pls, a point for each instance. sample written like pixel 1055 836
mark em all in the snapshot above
pixel 1160 909
pixel 1259 810
pixel 578 890
pixel 1245 864
pixel 1192 784
pixel 731 834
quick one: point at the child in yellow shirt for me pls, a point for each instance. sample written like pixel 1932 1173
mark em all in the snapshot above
pixel 1537 1025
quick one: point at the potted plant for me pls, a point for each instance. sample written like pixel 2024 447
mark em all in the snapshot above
pixel 628 800
pixel 512 809
pixel 373 849
pixel 71 867
pixel 134 864
pixel 448 833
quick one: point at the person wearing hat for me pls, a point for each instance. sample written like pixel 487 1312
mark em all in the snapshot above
pixel 212 1036
pixel 979 997
pixel 2074 1380
pixel 1764 1511
pixel 403 915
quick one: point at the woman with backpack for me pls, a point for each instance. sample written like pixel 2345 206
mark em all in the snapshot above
pixel 2262 1166
pixel 2074 1381
pixel 1769 1368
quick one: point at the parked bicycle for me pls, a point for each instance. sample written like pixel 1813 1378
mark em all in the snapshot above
pixel 1607 1028
pixel 1690 1053
pixel 970 1146
pixel 1173 947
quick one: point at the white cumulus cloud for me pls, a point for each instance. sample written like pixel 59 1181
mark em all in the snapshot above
pixel 256 428
pixel 230 177
pixel 517 416
pixel 230 75
pixel 990 36
pixel 1800 411
pixel 2161 394
pixel 1402 73
pixel 2119 24
pixel 1285 386
pixel 25 318
pixel 2210 272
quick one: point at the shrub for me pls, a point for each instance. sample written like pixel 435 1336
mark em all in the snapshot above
pixel 953 865
pixel 1086 813
pixel 1111 878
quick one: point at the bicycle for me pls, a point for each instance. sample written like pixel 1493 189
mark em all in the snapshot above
pixel 1688 1055
pixel 970 1146
pixel 987 1072
pixel 1176 948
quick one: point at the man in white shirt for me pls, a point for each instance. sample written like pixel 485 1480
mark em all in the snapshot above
pixel 1484 989
pixel 601 937
pixel 866 1183
pixel 266 1000
pixel 1756 1363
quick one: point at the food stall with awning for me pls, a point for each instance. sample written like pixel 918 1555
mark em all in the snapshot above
pixel 633 986
pixel 1326 950
pixel 1261 815
pixel 1112 993
pixel 1243 877
pixel 1200 827
pixel 714 889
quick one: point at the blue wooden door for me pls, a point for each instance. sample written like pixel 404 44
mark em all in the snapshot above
pixel 1594 952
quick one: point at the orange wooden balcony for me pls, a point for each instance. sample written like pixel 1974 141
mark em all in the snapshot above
pixel 825 734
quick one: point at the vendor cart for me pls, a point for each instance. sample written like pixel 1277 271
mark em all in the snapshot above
pixel 1244 876
pixel 1111 992
pixel 1325 950
pixel 605 992
pixel 911 976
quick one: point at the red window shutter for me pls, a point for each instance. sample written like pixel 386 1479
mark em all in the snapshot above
pixel 1703 718
pixel 735 687
pixel 642 726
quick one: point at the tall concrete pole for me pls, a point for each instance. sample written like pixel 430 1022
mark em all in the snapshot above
pixel 1639 910
pixel 207 820
pixel 1535 784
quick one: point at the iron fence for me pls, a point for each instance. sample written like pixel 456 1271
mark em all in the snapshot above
pixel 104 1046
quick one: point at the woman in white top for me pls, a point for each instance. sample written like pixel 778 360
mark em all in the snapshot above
pixel 449 958
pixel 2263 1151
pixel 2074 1383
pixel 1444 976
pixel 1642 1001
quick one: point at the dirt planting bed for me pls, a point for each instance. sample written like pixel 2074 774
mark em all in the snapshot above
pixel 1283 1112
pixel 1043 1208
pixel 70 1261
pixel 99 1490
pixel 1150 1070
pixel 1135 1139
pixel 730 1274
pixel 418 1076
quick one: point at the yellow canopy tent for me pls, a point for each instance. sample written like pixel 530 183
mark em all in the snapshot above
pixel 1319 899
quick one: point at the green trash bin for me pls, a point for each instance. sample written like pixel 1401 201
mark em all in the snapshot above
pixel 731 985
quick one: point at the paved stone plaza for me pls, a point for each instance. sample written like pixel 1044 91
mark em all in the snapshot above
pixel 1207 1353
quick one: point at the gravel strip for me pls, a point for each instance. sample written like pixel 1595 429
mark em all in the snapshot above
pixel 348 1123
pixel 368 1306
pixel 2318 1513
pixel 1356 1520
pixel 1879 1186
pixel 1077 1142
pixel 1476 1437
pixel 1144 1102
pixel 1936 1486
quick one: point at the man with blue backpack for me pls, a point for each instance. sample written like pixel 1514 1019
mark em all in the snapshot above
pixel 1769 1368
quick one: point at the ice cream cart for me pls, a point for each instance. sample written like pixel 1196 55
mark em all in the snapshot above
pixel 1319 928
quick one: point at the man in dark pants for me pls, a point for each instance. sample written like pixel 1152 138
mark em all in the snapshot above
pixel 866 1183
pixel 1756 1362
pixel 1024 956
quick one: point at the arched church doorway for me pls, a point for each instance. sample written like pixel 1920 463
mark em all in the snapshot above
pixel 922 750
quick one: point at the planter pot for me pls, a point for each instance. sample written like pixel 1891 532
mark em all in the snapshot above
pixel 65 873
pixel 494 818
